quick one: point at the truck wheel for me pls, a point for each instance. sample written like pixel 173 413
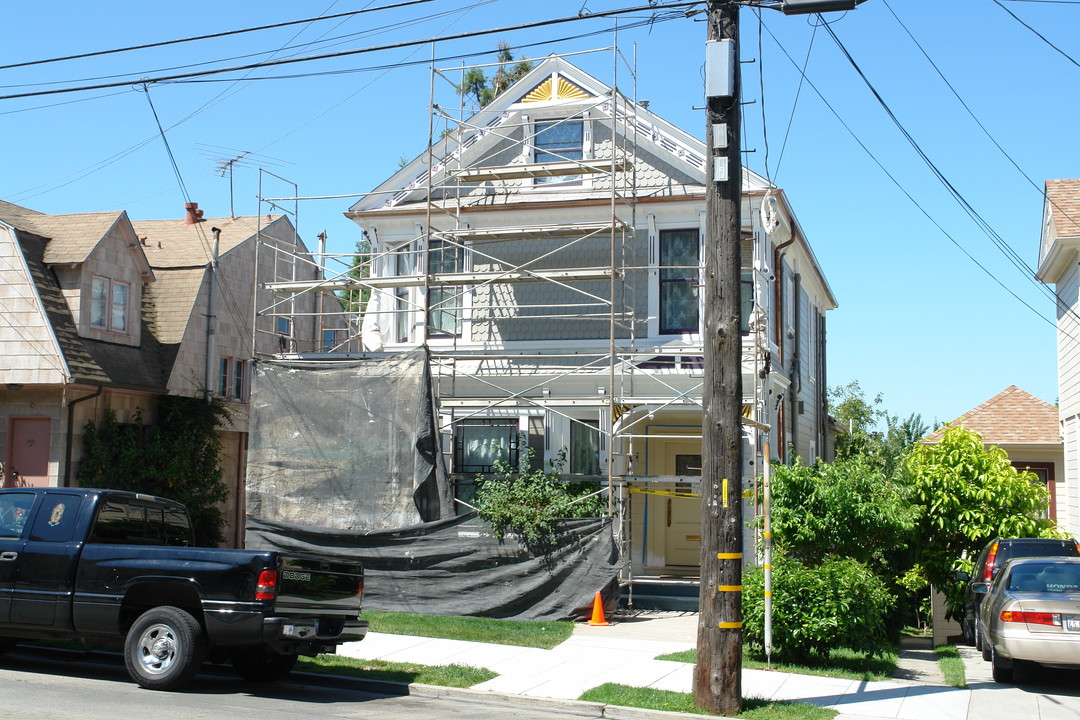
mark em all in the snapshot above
pixel 164 648
pixel 262 665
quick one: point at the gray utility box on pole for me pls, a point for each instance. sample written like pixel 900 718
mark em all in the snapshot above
pixel 719 68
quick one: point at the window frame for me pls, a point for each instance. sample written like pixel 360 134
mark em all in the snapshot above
pixel 107 305
pixel 554 152
pixel 691 278
pixel 511 455
pixel 451 296
pixel 578 433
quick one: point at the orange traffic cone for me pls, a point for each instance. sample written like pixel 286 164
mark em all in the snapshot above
pixel 598 612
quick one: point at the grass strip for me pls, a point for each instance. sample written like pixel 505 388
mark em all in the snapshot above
pixel 952 666
pixel 461 676
pixel 652 699
pixel 840 663
pixel 522 633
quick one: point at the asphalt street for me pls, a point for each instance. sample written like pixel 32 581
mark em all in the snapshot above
pixel 59 686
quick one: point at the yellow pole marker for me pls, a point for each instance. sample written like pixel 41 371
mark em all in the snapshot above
pixel 725 491
pixel 729 556
pixel 730 588
pixel 730 625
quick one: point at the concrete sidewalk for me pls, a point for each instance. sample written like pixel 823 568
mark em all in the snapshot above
pixel 625 653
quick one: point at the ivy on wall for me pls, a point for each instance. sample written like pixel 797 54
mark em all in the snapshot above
pixel 178 458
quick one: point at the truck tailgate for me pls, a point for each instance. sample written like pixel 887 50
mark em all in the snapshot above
pixel 319 586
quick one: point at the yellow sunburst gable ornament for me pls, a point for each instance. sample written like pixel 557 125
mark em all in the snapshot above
pixel 555 87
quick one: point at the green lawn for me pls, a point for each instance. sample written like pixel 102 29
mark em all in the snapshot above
pixel 952 666
pixel 462 676
pixel 623 695
pixel 839 663
pixel 544 635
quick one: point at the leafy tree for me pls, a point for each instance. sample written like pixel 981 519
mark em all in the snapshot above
pixel 478 86
pixel 530 502
pixel 967 494
pixel 863 419
pixel 179 458
pixel 815 608
pixel 849 508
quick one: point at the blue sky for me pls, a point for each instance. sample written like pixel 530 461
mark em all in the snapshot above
pixel 919 321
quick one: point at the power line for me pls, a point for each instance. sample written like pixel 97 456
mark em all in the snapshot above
pixel 211 36
pixel 998 241
pixel 322 42
pixel 1038 34
pixel 904 191
pixel 359 51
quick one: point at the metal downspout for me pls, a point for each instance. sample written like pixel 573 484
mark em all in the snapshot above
pixel 70 440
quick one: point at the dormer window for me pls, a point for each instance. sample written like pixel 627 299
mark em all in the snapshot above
pixel 559 141
pixel 109 305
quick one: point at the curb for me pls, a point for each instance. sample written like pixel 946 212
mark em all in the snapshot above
pixel 578 708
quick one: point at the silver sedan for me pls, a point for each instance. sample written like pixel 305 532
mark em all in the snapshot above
pixel 1032 614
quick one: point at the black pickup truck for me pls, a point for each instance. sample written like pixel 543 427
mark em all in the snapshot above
pixel 107 566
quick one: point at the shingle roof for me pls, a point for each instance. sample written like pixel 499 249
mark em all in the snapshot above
pixel 1063 197
pixel 1012 417
pixel 174 244
pixel 71 238
pixel 89 360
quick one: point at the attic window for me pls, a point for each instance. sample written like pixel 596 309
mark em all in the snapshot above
pixel 558 141
pixel 109 305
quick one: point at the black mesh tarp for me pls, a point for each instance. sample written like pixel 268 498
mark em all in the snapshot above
pixel 457 567
pixel 343 461
pixel 346 445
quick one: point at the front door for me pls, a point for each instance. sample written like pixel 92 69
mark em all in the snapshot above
pixel 28 453
pixel 682 537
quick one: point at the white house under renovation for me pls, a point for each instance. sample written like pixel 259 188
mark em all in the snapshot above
pixel 548 251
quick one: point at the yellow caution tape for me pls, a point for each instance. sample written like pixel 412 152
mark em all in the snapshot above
pixel 665 493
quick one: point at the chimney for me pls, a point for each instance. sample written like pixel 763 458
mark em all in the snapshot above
pixel 192 213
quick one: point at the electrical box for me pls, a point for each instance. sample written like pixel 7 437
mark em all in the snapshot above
pixel 719 169
pixel 719 68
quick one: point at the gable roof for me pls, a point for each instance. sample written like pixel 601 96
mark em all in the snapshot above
pixel 1059 242
pixel 1012 417
pixel 173 244
pixel 552 83
pixel 90 361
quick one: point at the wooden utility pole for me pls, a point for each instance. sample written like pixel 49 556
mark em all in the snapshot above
pixel 718 673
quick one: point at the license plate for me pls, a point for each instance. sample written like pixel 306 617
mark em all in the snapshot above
pixel 1072 623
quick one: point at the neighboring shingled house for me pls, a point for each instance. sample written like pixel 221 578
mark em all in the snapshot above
pixel 1059 264
pixel 1026 428
pixel 100 314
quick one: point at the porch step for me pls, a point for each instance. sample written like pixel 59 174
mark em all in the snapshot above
pixel 661 593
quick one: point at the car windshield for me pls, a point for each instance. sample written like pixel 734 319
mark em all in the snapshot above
pixel 1048 577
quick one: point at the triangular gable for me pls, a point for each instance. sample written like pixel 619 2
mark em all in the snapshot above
pixel 555 88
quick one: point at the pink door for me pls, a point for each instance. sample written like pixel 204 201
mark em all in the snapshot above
pixel 28 453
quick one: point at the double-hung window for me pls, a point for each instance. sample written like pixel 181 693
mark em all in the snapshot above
pixel 444 303
pixel 679 281
pixel 585 447
pixel 109 300
pixel 558 141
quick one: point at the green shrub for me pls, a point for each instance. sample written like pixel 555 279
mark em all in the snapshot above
pixel 838 603
pixel 531 502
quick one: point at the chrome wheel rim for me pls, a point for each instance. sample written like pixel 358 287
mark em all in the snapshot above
pixel 158 647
